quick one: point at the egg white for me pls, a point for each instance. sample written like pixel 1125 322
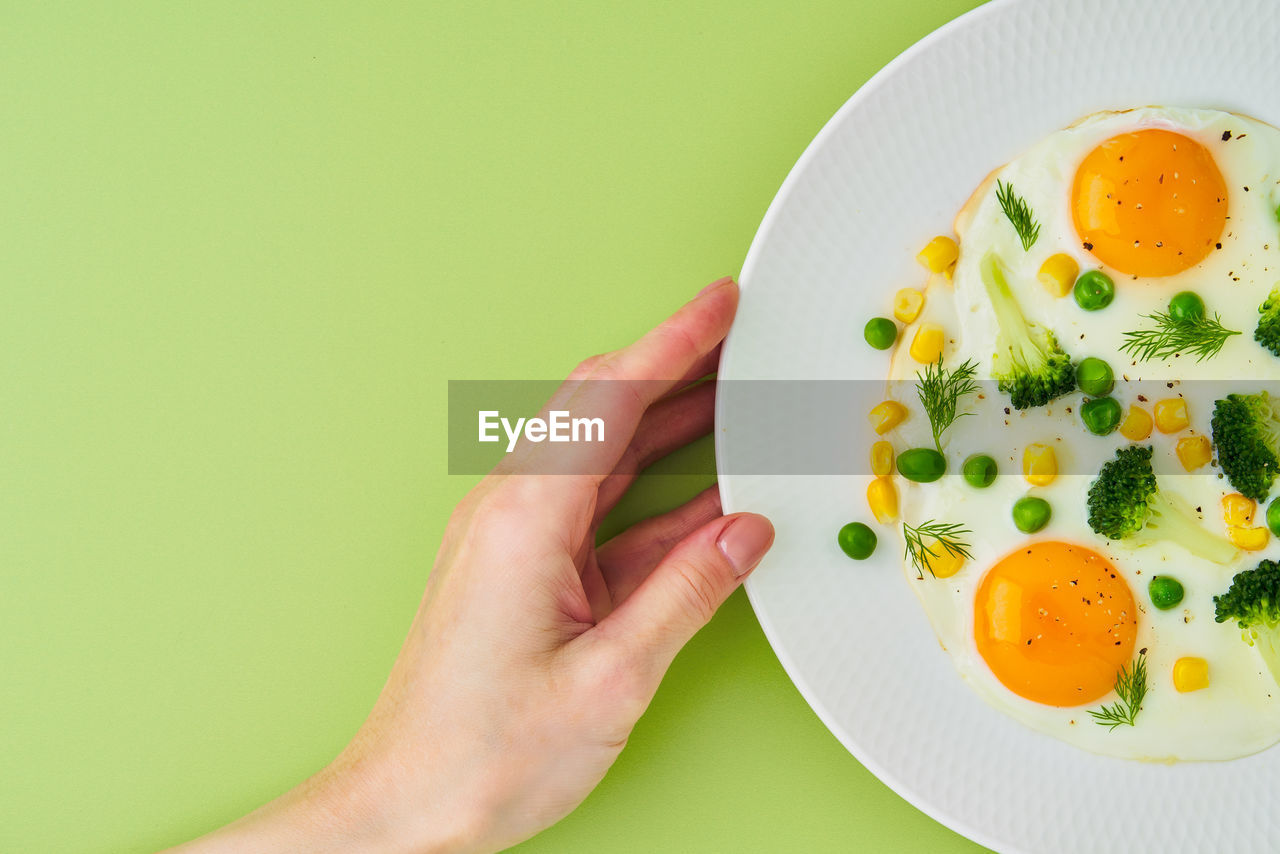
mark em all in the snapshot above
pixel 1239 713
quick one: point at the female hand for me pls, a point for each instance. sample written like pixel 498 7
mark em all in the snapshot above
pixel 534 652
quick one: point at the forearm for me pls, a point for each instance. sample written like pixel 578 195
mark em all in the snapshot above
pixel 344 808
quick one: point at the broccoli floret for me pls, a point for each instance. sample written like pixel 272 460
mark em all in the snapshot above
pixel 1126 503
pixel 1267 332
pixel 1029 366
pixel 1246 429
pixel 1253 601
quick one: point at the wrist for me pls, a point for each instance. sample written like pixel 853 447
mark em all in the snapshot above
pixel 366 804
pixel 384 799
pixel 352 806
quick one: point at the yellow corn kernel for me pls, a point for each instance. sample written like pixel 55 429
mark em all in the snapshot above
pixel 1194 451
pixel 1058 274
pixel 1237 510
pixel 1249 539
pixel 882 498
pixel 1190 674
pixel 1171 415
pixel 939 254
pixel 887 415
pixel 926 346
pixel 1136 425
pixel 944 564
pixel 881 458
pixel 1039 464
pixel 907 304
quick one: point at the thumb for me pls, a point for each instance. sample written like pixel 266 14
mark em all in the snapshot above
pixel 688 585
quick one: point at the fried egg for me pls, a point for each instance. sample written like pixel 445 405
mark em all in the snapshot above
pixel 1040 625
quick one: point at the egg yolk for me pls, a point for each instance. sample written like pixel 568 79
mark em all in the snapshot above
pixel 1055 622
pixel 1149 203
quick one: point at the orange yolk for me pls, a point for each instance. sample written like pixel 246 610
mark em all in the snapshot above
pixel 1055 623
pixel 1149 203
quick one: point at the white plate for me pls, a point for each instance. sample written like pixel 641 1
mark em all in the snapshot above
pixel 887 172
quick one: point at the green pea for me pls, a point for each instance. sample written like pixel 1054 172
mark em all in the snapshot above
pixel 857 540
pixel 1094 290
pixel 880 332
pixel 1100 415
pixel 922 465
pixel 1095 377
pixel 1165 592
pixel 1186 305
pixel 1031 514
pixel 979 471
pixel 1273 516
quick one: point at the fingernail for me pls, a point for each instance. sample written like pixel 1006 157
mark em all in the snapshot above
pixel 718 283
pixel 744 542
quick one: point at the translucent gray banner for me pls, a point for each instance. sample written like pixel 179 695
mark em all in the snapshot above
pixel 826 427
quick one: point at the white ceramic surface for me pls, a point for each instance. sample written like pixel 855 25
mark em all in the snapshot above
pixel 887 172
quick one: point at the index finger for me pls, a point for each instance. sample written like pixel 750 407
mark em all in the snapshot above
pixel 621 386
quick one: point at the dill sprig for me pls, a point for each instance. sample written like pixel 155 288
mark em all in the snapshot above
pixel 1197 336
pixel 1131 687
pixel 940 391
pixel 1016 209
pixel 948 535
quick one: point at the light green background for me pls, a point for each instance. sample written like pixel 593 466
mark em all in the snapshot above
pixel 243 247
